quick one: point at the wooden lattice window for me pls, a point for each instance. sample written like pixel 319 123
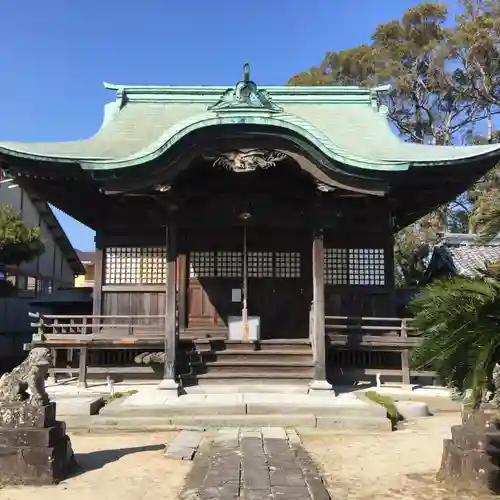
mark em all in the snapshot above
pixel 287 265
pixel 366 266
pixel 202 264
pixel 135 265
pixel 260 264
pixel 336 265
pixel 229 264
pixel 31 283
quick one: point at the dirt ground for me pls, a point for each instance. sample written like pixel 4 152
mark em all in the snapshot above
pixel 397 466
pixel 115 467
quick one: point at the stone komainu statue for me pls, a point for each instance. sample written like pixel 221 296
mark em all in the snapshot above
pixel 496 384
pixel 29 375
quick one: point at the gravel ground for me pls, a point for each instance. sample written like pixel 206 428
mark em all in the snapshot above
pixel 115 467
pixel 401 465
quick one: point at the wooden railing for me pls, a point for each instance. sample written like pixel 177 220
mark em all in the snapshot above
pixel 85 328
pixel 369 330
pixel 75 334
pixel 78 333
pixel 376 334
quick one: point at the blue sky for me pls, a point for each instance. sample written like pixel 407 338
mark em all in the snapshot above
pixel 55 54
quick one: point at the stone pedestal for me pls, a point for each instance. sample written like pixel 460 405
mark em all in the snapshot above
pixel 34 447
pixel 472 456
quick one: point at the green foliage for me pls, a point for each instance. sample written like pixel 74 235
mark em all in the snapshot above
pixel 459 323
pixel 17 242
pixel 119 395
pixel 385 401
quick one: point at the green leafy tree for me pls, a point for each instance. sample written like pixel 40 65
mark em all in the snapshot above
pixel 485 199
pixel 17 243
pixel 458 320
pixel 443 85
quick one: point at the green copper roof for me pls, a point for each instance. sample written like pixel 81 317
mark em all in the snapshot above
pixel 345 123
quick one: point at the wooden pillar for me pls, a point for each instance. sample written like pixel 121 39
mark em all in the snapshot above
pixel 96 311
pixel 170 339
pixel 97 290
pixel 82 368
pixel 83 357
pixel 182 274
pixel 319 383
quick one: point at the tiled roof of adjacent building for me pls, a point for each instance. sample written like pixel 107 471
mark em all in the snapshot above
pixel 468 259
pixel 86 257
pixel 460 255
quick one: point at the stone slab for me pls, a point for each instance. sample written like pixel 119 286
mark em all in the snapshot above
pixel 81 405
pixel 256 469
pixel 251 434
pixel 293 438
pixel 412 409
pixel 246 420
pixel 171 411
pixel 343 409
pixel 274 433
pixel 146 397
pixel 228 437
pixel 249 388
pixel 184 445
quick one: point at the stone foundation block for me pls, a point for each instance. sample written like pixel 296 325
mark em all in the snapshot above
pixel 487 418
pixel 476 439
pixel 25 437
pixel 21 415
pixel 34 447
pixel 471 468
pixel 472 457
pixel 36 465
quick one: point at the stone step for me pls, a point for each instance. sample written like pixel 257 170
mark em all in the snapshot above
pixel 260 364
pixel 242 355
pixel 293 387
pixel 245 377
pixel 257 370
pixel 217 344
pixel 100 423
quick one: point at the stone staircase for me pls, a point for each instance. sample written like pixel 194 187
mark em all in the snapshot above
pixel 267 361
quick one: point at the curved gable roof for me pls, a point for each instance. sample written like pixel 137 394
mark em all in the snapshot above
pixel 345 123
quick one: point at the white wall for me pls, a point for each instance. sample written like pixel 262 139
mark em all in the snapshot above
pixel 51 264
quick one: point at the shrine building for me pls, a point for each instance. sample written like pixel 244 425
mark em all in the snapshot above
pixel 249 230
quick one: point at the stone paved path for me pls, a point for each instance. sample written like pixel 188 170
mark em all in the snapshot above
pixel 267 464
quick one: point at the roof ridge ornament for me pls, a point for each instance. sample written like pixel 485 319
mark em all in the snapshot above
pixel 245 95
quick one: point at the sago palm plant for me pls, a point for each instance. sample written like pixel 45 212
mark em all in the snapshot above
pixel 458 320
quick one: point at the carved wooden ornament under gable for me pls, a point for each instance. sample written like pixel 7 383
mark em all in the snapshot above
pixel 245 95
pixel 246 160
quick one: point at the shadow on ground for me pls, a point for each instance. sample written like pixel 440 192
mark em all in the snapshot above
pixel 95 460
